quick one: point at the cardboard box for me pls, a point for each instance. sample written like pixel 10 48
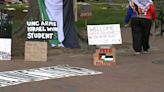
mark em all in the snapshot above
pixel 104 57
pixel 35 51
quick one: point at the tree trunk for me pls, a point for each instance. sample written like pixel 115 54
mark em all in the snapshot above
pixel 19 36
pixel 33 14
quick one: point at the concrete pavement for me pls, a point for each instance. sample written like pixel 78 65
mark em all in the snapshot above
pixel 131 74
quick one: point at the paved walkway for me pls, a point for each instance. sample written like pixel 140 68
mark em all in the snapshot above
pixel 131 74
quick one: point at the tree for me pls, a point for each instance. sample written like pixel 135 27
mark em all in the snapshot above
pixel 33 14
pixel 19 36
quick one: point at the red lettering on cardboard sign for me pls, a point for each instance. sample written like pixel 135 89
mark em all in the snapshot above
pixel 104 63
pixel 105 50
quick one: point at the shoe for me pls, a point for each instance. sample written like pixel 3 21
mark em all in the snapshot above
pixel 137 53
pixel 60 45
pixel 52 45
pixel 145 52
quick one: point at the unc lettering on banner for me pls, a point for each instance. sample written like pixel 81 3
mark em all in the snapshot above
pixel 41 29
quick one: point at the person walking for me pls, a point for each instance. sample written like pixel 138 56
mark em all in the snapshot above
pixel 141 13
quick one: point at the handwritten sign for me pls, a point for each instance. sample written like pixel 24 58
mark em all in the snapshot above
pixel 104 34
pixel 43 30
pixel 105 57
pixel 5 49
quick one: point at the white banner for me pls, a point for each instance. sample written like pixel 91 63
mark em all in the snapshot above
pixel 5 49
pixel 104 34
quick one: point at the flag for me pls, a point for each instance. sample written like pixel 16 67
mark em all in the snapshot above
pixel 52 10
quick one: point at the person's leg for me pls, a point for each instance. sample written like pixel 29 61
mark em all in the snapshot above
pixel 146 33
pixel 136 34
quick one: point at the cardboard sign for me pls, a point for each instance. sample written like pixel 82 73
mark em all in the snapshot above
pixel 35 51
pixel 105 57
pixel 104 34
pixel 41 30
pixel 5 49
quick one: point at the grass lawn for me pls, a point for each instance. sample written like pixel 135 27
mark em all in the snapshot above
pixel 104 14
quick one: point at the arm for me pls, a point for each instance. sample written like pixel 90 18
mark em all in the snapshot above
pixel 129 14
pixel 153 12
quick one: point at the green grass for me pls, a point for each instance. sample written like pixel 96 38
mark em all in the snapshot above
pixel 104 14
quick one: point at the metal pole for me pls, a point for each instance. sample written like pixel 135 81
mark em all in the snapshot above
pixel 85 23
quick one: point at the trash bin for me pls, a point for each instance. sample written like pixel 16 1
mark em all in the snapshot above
pixel 5 24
